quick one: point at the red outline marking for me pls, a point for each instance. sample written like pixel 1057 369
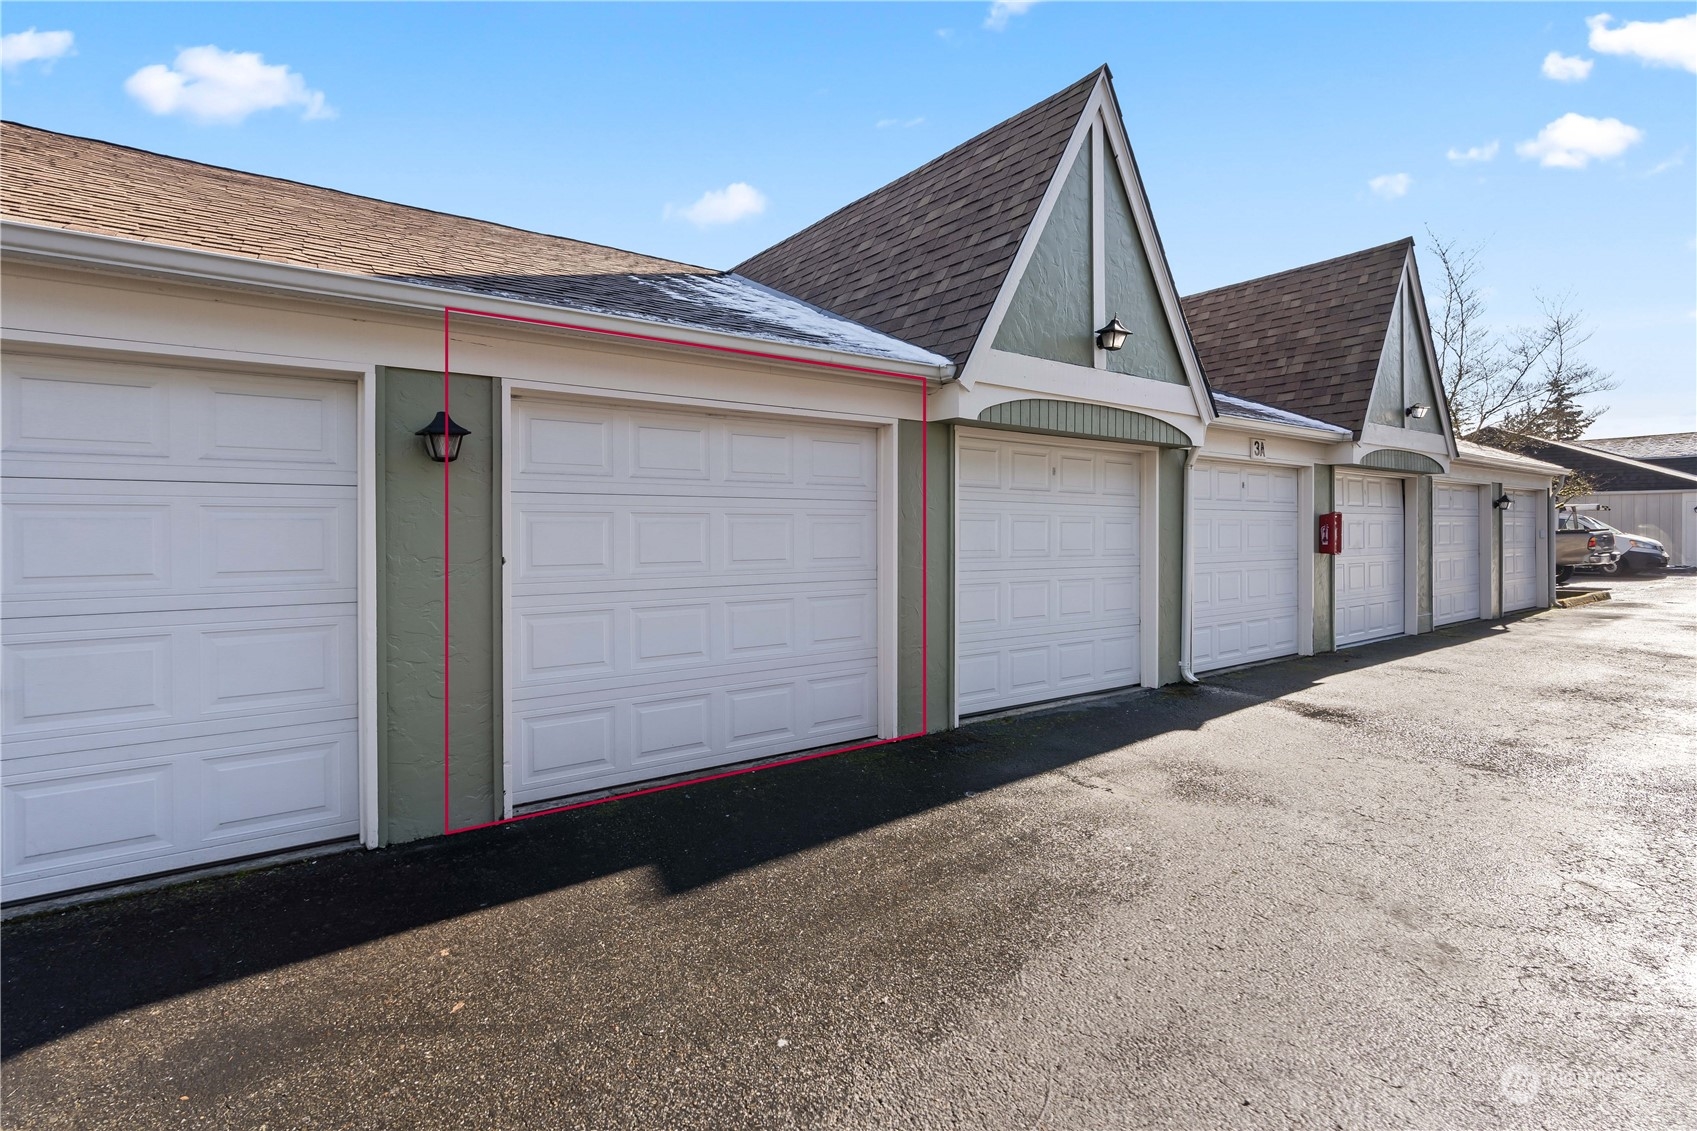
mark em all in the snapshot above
pixel 924 568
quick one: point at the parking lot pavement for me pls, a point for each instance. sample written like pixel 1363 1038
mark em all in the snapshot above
pixel 1439 882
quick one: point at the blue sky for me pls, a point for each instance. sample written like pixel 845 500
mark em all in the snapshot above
pixel 1268 135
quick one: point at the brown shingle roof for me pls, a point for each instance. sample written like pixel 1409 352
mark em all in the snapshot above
pixel 923 257
pixel 1305 340
pixel 112 190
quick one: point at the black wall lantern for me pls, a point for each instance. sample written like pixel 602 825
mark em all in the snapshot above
pixel 1502 502
pixel 1112 336
pixel 442 438
pixel 1418 411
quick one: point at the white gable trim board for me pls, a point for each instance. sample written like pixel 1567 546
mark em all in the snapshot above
pixel 1099 127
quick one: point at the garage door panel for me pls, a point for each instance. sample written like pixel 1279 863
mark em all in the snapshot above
pixel 1369 573
pixel 139 546
pixel 130 678
pixel 688 590
pixel 176 803
pixel 179 656
pixel 79 419
pixel 1047 591
pixel 1455 553
pixel 1522 562
pixel 678 538
pixel 623 452
pixel 600 738
pixel 1244 603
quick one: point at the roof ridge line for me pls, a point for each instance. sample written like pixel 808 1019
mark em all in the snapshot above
pixel 915 172
pixel 1405 240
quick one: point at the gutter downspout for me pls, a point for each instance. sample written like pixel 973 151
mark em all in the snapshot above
pixel 1189 557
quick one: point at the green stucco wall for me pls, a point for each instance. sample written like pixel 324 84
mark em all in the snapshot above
pixel 1170 498
pixel 1071 418
pixel 410 607
pixel 1386 405
pixel 1404 378
pixel 1423 552
pixel 940 558
pixel 1131 293
pixel 1051 315
pixel 1324 477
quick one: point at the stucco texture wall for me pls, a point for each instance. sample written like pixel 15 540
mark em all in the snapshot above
pixel 1051 314
pixel 1324 494
pixel 1131 293
pixel 938 602
pixel 410 607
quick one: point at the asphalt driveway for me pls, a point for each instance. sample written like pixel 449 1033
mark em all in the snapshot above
pixel 1441 882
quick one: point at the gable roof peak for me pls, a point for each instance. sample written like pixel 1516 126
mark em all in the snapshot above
pixel 1306 340
pixel 924 257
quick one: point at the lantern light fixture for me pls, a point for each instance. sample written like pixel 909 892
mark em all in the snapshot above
pixel 1419 411
pixel 1112 336
pixel 1502 502
pixel 442 438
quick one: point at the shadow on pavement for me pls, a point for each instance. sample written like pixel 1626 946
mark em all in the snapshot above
pixel 66 969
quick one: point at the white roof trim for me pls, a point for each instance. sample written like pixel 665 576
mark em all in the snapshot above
pixel 85 250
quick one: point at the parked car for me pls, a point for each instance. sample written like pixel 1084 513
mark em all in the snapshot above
pixel 1636 552
pixel 1580 547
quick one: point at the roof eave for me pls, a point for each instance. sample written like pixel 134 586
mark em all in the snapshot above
pixel 41 243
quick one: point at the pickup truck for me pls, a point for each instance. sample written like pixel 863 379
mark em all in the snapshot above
pixel 1578 545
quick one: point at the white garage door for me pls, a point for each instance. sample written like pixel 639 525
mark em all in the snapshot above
pixel 1368 573
pixel 1047 597
pixel 179 618
pixel 1244 599
pixel 688 590
pixel 1455 552
pixel 1521 560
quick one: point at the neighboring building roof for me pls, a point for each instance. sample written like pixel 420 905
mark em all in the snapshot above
pixel 1608 471
pixel 924 257
pixel 1227 405
pixel 1306 340
pixel 91 186
pixel 1468 451
pixel 1677 450
pixel 1664 445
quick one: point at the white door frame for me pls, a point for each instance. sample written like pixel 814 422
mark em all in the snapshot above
pixel 887 524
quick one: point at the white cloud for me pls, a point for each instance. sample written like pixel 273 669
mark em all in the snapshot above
pixel 1004 10
pixel 1567 68
pixel 899 123
pixel 734 202
pixel 1391 185
pixel 210 84
pixel 1673 162
pixel 33 46
pixel 1671 43
pixel 1573 141
pixel 1476 153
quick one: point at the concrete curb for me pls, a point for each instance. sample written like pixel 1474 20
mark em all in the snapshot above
pixel 1573 598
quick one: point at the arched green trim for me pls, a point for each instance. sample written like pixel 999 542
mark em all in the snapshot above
pixel 1094 420
pixel 1392 459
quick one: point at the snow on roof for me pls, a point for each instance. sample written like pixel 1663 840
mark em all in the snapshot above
pixel 723 303
pixel 1468 450
pixel 1229 405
